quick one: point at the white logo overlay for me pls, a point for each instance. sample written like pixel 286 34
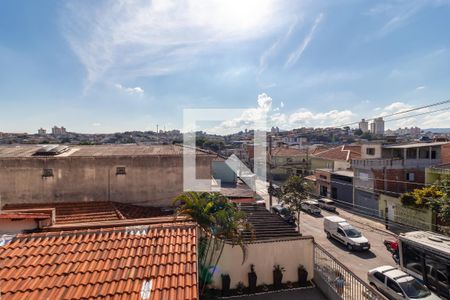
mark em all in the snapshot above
pixel 256 180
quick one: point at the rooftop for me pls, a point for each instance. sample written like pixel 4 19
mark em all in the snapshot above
pixel 83 212
pixel 267 226
pixel 347 173
pixel 344 153
pixel 115 263
pixel 415 145
pixel 19 151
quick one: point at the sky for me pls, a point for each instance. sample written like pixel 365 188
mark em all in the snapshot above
pixel 109 66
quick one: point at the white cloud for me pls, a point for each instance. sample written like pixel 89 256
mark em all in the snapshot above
pixel 398 14
pixel 264 112
pixel 281 104
pixel 295 55
pixel 420 88
pixel 129 90
pixel 128 39
pixel 96 124
pixel 273 49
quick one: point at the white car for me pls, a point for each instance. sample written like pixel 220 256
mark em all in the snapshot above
pixel 396 284
pixel 339 229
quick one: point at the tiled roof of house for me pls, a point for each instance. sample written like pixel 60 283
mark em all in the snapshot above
pixel 344 153
pixel 113 263
pixel 95 211
pixel 282 151
pixel 266 226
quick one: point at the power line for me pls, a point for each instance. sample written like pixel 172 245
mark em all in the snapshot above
pixel 424 113
pixel 400 112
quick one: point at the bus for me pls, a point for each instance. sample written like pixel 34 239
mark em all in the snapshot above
pixel 426 256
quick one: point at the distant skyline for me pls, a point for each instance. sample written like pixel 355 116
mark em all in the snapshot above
pixel 112 66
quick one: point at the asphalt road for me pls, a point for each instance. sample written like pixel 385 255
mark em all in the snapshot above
pixel 358 262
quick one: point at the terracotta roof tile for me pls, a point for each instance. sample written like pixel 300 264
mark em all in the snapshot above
pixel 95 211
pixel 344 153
pixel 111 263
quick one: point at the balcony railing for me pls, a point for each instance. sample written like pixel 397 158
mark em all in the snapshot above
pixel 394 163
pixel 337 282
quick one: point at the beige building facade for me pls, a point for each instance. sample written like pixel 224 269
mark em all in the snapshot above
pixel 145 175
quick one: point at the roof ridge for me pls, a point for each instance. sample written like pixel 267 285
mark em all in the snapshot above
pixel 174 224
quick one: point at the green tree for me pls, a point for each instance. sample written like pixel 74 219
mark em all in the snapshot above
pixel 293 192
pixel 436 197
pixel 220 222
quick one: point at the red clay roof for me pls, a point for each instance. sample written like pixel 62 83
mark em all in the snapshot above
pixel 281 151
pixel 111 263
pixel 345 153
pixel 98 211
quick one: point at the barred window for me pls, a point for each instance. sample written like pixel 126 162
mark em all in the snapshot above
pixel 121 171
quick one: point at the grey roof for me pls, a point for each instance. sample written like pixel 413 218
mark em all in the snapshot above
pixel 344 173
pixel 22 151
pixel 415 145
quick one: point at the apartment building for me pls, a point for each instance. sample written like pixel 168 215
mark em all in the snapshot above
pixel 393 169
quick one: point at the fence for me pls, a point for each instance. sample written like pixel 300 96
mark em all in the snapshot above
pixel 337 281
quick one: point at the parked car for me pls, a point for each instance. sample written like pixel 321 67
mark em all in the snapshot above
pixel 311 206
pixel 327 204
pixel 339 229
pixel 284 213
pixel 396 284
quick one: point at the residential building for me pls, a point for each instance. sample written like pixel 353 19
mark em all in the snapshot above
pixel 377 126
pixel 42 131
pixel 288 161
pixel 58 130
pixel 364 126
pixel 394 169
pixel 323 182
pixel 149 175
pixel 337 158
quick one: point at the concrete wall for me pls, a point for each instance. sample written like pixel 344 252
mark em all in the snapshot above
pixel 264 255
pixel 417 218
pixel 377 154
pixel 149 180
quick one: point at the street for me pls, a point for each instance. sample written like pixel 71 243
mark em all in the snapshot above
pixel 358 262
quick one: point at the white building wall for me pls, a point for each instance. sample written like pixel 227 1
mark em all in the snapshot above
pixel 264 255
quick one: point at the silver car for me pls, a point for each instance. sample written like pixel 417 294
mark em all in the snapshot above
pixel 396 284
pixel 311 206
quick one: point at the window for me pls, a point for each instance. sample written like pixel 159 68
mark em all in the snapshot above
pixel 121 171
pixel 340 232
pixel 412 259
pixel 47 173
pixel 370 151
pixel 323 177
pixel 394 286
pixel 410 176
pixel 380 276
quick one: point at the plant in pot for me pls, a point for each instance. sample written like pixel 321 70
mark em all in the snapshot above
pixel 252 278
pixel 277 276
pixel 302 275
pixel 240 288
pixel 226 280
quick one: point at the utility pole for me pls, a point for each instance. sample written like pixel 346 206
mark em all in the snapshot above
pixel 270 173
